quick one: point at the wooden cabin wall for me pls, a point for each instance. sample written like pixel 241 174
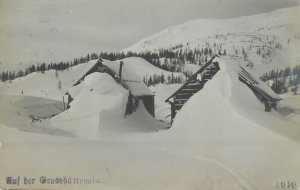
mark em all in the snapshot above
pixel 191 87
pixel 149 104
pixel 129 106
pixel 132 104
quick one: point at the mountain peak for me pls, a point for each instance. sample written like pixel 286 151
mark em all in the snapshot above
pixel 277 22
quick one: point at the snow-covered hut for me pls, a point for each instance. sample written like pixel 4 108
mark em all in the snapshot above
pixel 138 91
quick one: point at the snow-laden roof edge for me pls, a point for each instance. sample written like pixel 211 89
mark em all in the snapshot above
pixel 130 79
pixel 192 77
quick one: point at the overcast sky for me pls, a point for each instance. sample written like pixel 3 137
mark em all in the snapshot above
pixel 60 29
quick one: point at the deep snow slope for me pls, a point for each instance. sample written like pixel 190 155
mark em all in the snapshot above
pixel 225 123
pixel 250 33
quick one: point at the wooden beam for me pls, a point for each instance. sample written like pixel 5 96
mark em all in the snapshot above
pixel 183 96
pixel 180 100
pixel 251 84
pixel 190 91
pixel 195 86
pixel 194 76
pixel 248 75
pixel 178 106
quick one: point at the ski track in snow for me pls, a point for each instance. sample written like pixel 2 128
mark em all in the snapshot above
pixel 239 179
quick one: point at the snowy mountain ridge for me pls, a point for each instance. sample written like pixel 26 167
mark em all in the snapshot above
pixel 261 39
pixel 187 32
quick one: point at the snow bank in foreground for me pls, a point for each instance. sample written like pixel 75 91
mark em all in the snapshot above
pixel 120 165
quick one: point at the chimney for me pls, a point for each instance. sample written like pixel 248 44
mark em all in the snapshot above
pixel 120 69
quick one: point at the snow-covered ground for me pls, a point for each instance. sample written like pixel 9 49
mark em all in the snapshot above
pixel 28 113
pixel 290 107
pixel 221 139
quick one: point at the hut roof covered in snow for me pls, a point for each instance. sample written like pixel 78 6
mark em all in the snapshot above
pixel 130 80
pixel 253 81
pixel 91 65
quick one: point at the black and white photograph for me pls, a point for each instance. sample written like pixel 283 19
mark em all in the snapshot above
pixel 150 94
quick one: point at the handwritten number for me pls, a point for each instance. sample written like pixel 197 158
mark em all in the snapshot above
pixel 286 185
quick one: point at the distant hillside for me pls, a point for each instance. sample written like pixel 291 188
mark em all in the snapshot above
pixel 264 42
pixel 52 84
